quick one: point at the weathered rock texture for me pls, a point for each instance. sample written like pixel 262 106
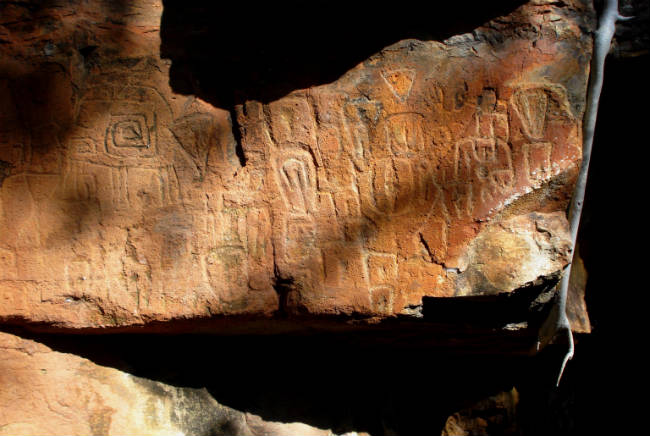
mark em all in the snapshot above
pixel 47 392
pixel 433 169
pixel 211 385
pixel 493 415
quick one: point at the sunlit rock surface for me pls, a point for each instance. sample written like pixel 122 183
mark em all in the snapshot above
pixel 432 168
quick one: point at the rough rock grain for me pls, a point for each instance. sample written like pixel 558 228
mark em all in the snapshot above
pixel 53 393
pixel 492 415
pixel 433 169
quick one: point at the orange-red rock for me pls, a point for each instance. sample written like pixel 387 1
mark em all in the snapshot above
pixel 48 392
pixel 430 169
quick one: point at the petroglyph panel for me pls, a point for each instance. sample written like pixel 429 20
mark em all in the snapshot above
pixel 412 174
pixel 357 196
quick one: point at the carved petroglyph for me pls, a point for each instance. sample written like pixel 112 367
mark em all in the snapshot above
pixel 400 82
pixel 347 203
pixel 461 197
pixel 361 117
pixel 79 184
pixel 296 177
pixel 531 105
pixel 356 194
pixel 127 158
pixel 293 125
pixel 206 140
pixel 483 163
pixel 334 266
pixel 237 247
pixel 397 175
pixel 536 106
pixel 387 187
pixel 129 131
pixel 198 135
pixel 130 118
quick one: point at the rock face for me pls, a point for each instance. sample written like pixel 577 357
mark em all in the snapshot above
pixel 423 186
pixel 104 401
pixel 433 169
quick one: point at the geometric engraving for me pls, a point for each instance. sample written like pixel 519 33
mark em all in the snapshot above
pixel 485 150
pixel 129 135
pixel 502 179
pixel 196 133
pixel 347 203
pixel 149 187
pixel 464 153
pixel 79 183
pixel 232 231
pixel 86 188
pixel 297 177
pixel 361 116
pixel 531 104
pixel 388 186
pixel 292 123
pixel 199 134
pixel 399 82
pixel 482 161
pixel 130 132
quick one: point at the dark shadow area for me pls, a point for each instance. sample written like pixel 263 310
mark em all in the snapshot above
pixel 226 53
pixel 521 305
pixel 344 382
pixel 399 377
pixel 598 394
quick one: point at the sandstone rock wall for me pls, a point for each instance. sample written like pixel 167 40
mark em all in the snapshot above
pixel 430 169
pixel 434 173
pixel 99 400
